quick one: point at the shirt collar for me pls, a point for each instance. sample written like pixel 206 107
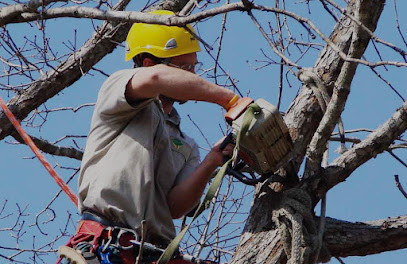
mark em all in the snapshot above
pixel 172 117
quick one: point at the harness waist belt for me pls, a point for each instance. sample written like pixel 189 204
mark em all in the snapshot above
pixel 87 215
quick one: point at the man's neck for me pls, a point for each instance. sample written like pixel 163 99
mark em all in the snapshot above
pixel 167 103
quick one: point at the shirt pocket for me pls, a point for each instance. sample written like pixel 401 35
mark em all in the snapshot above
pixel 181 152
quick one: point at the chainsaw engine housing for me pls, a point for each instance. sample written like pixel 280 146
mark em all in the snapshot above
pixel 267 143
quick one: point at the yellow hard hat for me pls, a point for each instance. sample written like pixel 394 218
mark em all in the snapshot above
pixel 159 40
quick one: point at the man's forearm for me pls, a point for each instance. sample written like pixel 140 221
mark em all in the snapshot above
pixel 175 83
pixel 184 197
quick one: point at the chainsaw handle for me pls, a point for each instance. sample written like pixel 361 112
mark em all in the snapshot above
pixel 234 172
pixel 228 139
pixel 243 178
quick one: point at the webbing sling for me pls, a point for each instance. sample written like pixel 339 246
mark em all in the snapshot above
pixel 247 120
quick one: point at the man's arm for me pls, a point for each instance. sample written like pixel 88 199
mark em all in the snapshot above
pixel 175 83
pixel 184 196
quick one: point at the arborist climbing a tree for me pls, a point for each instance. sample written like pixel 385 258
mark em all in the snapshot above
pixel 139 170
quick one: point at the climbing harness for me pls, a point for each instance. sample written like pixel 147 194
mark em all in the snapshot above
pixel 37 152
pixel 96 243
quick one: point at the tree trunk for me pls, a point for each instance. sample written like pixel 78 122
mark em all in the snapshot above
pixel 261 241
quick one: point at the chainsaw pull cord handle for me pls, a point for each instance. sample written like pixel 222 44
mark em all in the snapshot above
pixel 217 180
pixel 37 152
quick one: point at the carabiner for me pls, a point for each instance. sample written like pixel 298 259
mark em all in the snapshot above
pixel 109 241
pixel 123 231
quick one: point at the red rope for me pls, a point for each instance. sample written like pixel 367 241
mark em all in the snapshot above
pixel 37 152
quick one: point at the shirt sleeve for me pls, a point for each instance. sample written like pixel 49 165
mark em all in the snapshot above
pixel 112 104
pixel 191 164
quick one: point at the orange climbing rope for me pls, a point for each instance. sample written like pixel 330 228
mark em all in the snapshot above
pixel 37 152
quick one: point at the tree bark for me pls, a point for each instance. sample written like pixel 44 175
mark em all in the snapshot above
pixel 343 239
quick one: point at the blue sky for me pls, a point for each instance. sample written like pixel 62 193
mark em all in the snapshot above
pixel 369 194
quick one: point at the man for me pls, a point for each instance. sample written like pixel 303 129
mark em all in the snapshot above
pixel 139 170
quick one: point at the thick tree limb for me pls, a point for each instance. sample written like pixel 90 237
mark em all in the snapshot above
pixel 304 114
pixel 13 12
pixel 365 238
pixel 54 81
pixel 341 238
pixel 128 16
pixel 64 75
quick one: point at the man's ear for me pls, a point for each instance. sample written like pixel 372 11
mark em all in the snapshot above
pixel 148 62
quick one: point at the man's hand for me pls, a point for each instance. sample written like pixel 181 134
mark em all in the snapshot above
pixel 184 196
pixel 216 155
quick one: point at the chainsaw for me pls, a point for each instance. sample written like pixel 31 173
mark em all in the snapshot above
pixel 266 145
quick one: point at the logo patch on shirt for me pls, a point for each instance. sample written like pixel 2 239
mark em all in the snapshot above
pixel 180 148
pixel 177 143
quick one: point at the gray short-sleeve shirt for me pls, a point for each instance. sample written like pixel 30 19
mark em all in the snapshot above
pixel 134 155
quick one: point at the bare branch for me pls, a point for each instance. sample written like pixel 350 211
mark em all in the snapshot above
pixel 399 186
pixel 274 48
pixel 352 140
pixel 398 24
pixel 133 16
pixel 375 143
pixel 11 12
pixel 334 109
pixel 52 149
pixel 368 31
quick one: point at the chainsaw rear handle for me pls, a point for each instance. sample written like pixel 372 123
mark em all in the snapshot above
pixel 235 171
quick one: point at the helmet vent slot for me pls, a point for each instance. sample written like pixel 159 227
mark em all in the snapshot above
pixel 171 44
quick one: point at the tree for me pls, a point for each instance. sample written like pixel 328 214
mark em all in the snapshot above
pixel 281 226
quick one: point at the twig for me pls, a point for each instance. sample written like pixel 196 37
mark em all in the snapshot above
pixel 397 158
pixel 200 131
pixel 398 184
pixel 340 260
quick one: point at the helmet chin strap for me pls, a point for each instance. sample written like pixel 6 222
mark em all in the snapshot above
pixel 166 61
